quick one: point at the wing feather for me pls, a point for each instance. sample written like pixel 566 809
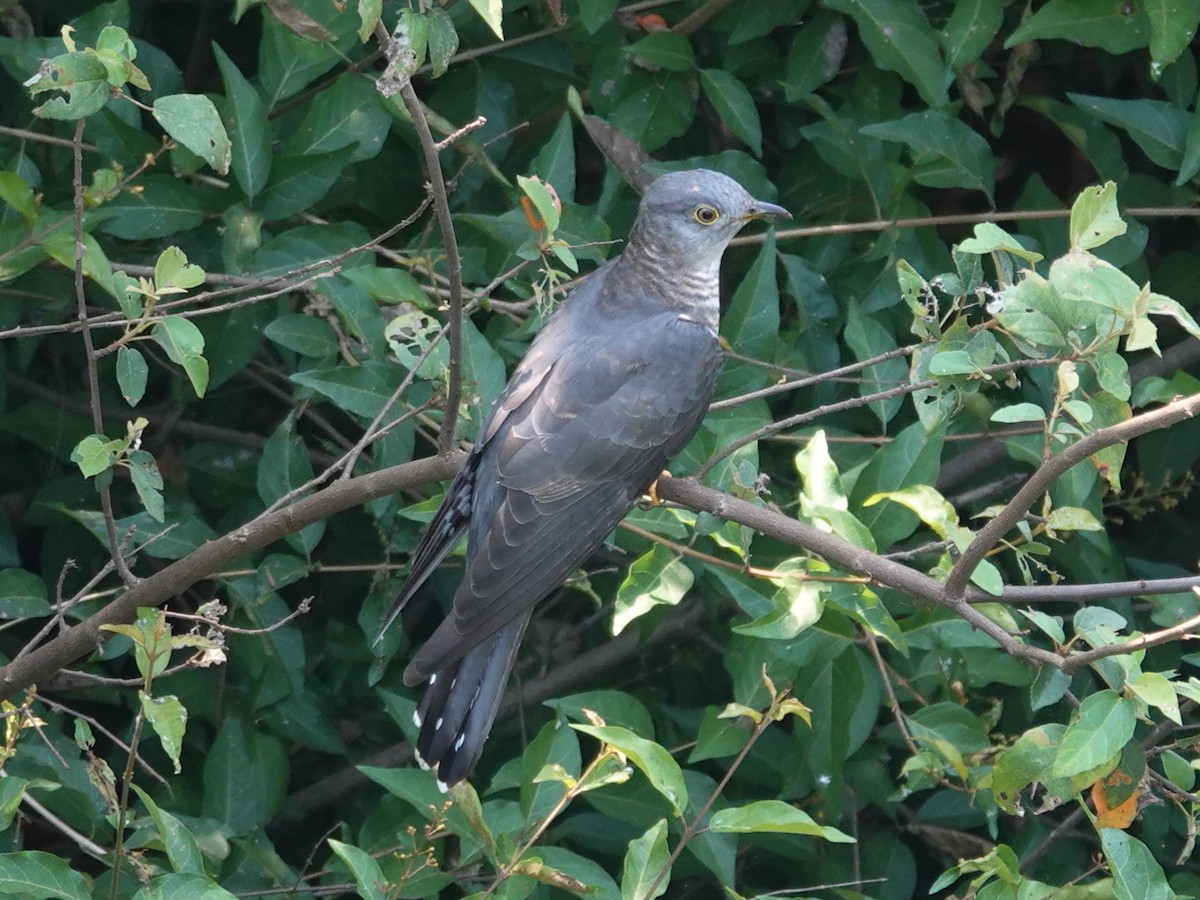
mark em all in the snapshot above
pixel 566 466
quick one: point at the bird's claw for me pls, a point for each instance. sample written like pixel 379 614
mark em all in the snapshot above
pixel 651 498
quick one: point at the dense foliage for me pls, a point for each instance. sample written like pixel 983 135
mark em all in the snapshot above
pixel 918 621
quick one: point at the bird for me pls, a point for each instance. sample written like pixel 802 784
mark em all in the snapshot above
pixel 614 385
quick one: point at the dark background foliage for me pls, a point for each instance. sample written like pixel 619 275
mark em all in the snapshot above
pixel 969 711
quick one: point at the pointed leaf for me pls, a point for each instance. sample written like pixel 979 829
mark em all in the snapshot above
pixel 194 122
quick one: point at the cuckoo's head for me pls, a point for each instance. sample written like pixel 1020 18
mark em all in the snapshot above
pixel 693 215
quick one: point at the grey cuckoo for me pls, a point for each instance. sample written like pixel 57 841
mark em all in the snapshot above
pixel 614 385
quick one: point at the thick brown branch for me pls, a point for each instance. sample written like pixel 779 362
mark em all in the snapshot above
pixel 80 640
pixel 695 496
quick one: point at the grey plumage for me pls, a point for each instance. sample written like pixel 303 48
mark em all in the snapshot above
pixel 616 383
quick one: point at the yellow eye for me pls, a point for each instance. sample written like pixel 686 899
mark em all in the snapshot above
pixel 706 215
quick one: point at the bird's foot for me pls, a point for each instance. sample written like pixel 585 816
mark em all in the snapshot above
pixel 651 499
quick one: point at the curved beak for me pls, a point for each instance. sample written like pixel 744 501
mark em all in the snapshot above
pixel 762 210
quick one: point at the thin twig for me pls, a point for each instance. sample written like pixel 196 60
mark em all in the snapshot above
pixel 853 403
pixel 991 533
pixel 110 522
pixel 810 378
pixel 441 205
pixel 97 725
pixel 1145 642
pixel 694 826
pixel 1019 215
pixel 85 843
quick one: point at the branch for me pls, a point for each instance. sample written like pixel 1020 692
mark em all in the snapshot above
pixel 1086 593
pixel 1145 642
pixel 991 533
pixel 441 205
pixel 695 496
pixel 908 387
pixel 203 562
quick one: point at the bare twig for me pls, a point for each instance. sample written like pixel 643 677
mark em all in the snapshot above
pixel 817 378
pixel 1176 632
pixel 1020 215
pixel 441 205
pixel 991 533
pixel 110 522
pixel 85 843
pixel 852 403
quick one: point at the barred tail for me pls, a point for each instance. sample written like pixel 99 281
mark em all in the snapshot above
pixel 461 702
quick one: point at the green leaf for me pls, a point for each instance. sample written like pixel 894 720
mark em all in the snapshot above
pixel 654 761
pixel 644 861
pixel 368 876
pixel 443 40
pixel 173 273
pixel 22 594
pixel 1156 689
pixel 912 457
pixel 945 151
pixel 1108 24
pixel 989 238
pixel 656 578
pixel 184 345
pixel 350 112
pixel 1072 518
pixel 773 816
pixel 1026 761
pixel 132 372
pixel 1095 219
pixel 183 886
pixel 61 247
pixel 298 182
pixel 1158 127
pixel 868 339
pixel 1178 770
pixel 283 466
pixel 1019 412
pixel 81 76
pixel 1173 24
pixel 35 875
pixel 388 285
pixel 247 126
pixel 543 200
pixel 796 605
pixel 245 774
pixel 16 192
pixel 596 14
pixel 661 110
pixel 369 13
pixel 194 122
pixel 180 843
pixel 900 39
pixel 1136 873
pixel 361 390
pixel 168 717
pixel 1103 725
pixel 815 56
pixel 306 335
pixel 95 454
pixel 972 26
pixel 491 11
pixel 148 481
pixel 734 104
pixel 751 323
pixel 664 49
